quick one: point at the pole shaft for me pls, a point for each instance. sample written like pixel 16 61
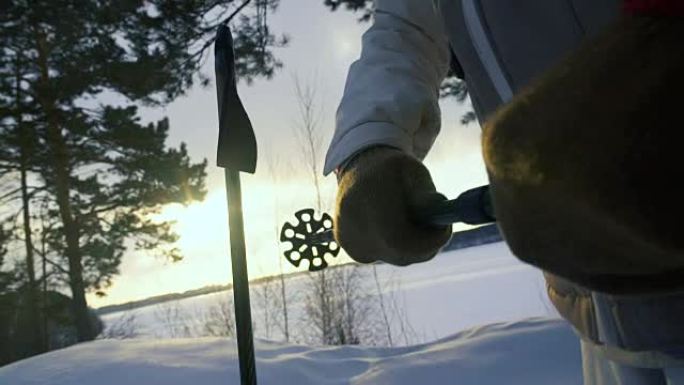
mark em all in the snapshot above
pixel 243 316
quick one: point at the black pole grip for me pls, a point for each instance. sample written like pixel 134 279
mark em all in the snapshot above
pixel 473 207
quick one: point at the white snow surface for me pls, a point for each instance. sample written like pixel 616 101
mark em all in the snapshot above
pixel 532 351
pixel 447 300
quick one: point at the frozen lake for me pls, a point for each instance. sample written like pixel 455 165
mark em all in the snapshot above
pixel 455 291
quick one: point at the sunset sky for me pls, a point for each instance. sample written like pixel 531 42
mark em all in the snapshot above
pixel 323 45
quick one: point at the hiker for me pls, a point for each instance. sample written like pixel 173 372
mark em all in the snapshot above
pixel 580 107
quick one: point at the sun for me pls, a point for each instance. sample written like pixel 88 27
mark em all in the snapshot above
pixel 204 237
pixel 201 226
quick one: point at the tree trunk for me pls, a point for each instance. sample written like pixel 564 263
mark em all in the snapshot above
pixel 383 309
pixel 325 310
pixel 71 232
pixel 60 170
pixel 28 242
pixel 32 308
pixel 84 327
pixel 45 331
pixel 286 326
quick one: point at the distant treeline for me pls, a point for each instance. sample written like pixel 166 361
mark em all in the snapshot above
pixel 161 298
pixel 177 296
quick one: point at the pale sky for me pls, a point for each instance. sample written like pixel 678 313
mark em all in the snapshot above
pixel 323 45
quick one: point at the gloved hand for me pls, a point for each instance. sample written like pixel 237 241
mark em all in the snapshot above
pixel 585 165
pixel 378 192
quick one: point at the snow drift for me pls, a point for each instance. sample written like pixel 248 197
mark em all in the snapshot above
pixel 532 351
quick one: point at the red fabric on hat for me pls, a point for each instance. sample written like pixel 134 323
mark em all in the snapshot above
pixel 654 7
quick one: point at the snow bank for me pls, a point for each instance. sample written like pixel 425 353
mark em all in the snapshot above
pixel 533 351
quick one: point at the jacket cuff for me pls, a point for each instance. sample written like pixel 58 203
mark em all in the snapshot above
pixel 360 138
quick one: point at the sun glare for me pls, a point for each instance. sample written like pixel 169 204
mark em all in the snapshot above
pixel 204 235
pixel 204 241
pixel 198 224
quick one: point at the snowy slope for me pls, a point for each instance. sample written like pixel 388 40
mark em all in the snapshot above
pixel 533 351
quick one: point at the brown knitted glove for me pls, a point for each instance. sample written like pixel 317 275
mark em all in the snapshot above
pixel 377 194
pixel 586 165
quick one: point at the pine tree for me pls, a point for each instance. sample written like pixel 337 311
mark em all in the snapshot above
pixel 102 170
pixel 18 150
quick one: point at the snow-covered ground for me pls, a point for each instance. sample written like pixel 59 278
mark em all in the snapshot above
pixel 455 291
pixel 533 351
pixel 482 316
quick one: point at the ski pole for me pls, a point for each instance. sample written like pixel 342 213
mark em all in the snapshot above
pixel 237 153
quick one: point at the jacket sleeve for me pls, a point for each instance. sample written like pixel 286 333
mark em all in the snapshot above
pixel 392 90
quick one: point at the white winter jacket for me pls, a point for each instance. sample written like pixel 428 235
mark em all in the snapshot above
pixel 391 95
